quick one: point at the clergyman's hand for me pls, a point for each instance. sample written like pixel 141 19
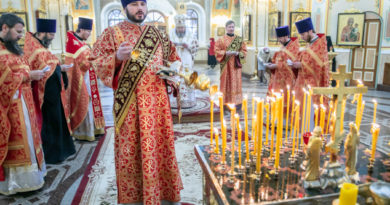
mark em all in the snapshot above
pixel 124 51
pixel 36 74
pixel 65 68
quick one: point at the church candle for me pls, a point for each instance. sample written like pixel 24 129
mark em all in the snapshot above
pixel 288 110
pixel 259 134
pixel 216 141
pixel 223 141
pixel 273 115
pixel 375 135
pixel 308 111
pixel 232 108
pixel 253 114
pixel 267 124
pixel 254 134
pixel 220 98
pixel 316 114
pixel 322 121
pixel 348 194
pixel 361 115
pixel 329 112
pixel 245 103
pixel 375 105
pixel 359 105
pixel 292 111
pixel 279 132
pixel 296 128
pixel 211 121
pixel 303 112
pixel 237 118
pixel 342 116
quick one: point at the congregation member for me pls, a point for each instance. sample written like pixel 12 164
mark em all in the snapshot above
pixel 230 51
pixel 21 156
pixel 146 167
pixel 86 114
pixel 49 92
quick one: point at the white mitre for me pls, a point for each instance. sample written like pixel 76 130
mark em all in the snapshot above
pixel 180 20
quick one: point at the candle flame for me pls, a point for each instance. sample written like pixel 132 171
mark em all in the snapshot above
pixel 315 106
pixel 288 87
pixel 374 101
pixel 297 102
pixel 246 96
pixel 293 92
pixel 216 131
pixel 231 106
pixel 323 107
pixel 359 82
pixel 304 90
pixel 236 116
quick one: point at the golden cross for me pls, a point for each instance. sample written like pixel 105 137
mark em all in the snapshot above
pixel 341 92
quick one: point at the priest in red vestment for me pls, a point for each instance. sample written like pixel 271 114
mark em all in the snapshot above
pixel 230 51
pixel 21 156
pixel 86 114
pixel 312 64
pixel 145 161
pixel 49 92
pixel 283 75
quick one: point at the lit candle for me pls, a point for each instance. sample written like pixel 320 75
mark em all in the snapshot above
pixel 279 132
pixel 322 121
pixel 375 134
pixel 288 110
pixel 259 134
pixel 375 105
pixel 254 127
pixel 293 108
pixel 359 105
pixel 316 114
pixel 360 115
pixel 342 116
pixel 232 108
pixel 238 138
pixel 296 128
pixel 216 150
pixel 245 103
pixel 220 99
pixel 223 141
pixel 273 115
pixel 267 124
pixel 211 121
pixel 303 114
pixel 329 112
pixel 348 194
pixel 308 107
pixel 253 114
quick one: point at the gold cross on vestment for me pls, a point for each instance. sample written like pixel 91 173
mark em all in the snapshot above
pixel 341 92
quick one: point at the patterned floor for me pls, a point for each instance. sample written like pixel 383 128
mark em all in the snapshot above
pixel 63 179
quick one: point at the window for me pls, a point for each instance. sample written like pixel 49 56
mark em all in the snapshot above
pixel 154 17
pixel 114 17
pixel 192 22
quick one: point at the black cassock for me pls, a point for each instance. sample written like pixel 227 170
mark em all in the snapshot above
pixel 56 140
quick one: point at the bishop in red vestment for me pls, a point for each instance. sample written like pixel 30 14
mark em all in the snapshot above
pixel 283 74
pixel 230 51
pixel 86 114
pixel 145 161
pixel 312 64
pixel 21 155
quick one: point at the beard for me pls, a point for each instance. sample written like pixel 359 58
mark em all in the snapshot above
pixel 133 18
pixel 180 34
pixel 12 45
pixel 46 41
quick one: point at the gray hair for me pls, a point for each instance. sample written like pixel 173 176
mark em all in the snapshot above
pixel 229 22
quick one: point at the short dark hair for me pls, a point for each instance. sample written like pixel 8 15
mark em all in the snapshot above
pixel 229 22
pixel 78 30
pixel 10 20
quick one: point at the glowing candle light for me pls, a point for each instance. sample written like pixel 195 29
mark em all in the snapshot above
pixel 279 132
pixel 216 150
pixel 316 114
pixel 375 135
pixel 308 107
pixel 273 116
pixel 360 115
pixel 245 104
pixel 322 121
pixel 259 134
pixel 296 127
pixel 211 121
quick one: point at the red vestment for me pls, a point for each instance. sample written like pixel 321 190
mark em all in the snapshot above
pixel 78 52
pixel 314 70
pixel 145 161
pixel 14 148
pixel 231 82
pixel 284 75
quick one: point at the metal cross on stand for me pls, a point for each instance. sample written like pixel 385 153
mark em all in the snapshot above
pixel 341 92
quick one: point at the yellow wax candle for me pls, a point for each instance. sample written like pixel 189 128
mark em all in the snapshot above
pixel 359 105
pixel 254 127
pixel 279 132
pixel 348 194
pixel 316 114
pixel 245 103
pixel 238 138
pixel 342 116
pixel 308 107
pixel 216 150
pixel 259 134
pixel 375 135
pixel 211 121
pixel 360 115
pixel 292 113
pixel 282 110
pixel 296 128
pixel 232 108
pixel 224 141
pixel 220 98
pixel 288 111
pixel 273 115
pixel 333 125
pixel 267 124
pixel 375 105
pixel 330 111
pixel 253 114
pixel 303 115
pixel 322 121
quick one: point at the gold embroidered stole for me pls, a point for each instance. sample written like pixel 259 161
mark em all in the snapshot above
pixel 132 72
pixel 234 46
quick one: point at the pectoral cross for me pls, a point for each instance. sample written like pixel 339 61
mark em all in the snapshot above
pixel 341 92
